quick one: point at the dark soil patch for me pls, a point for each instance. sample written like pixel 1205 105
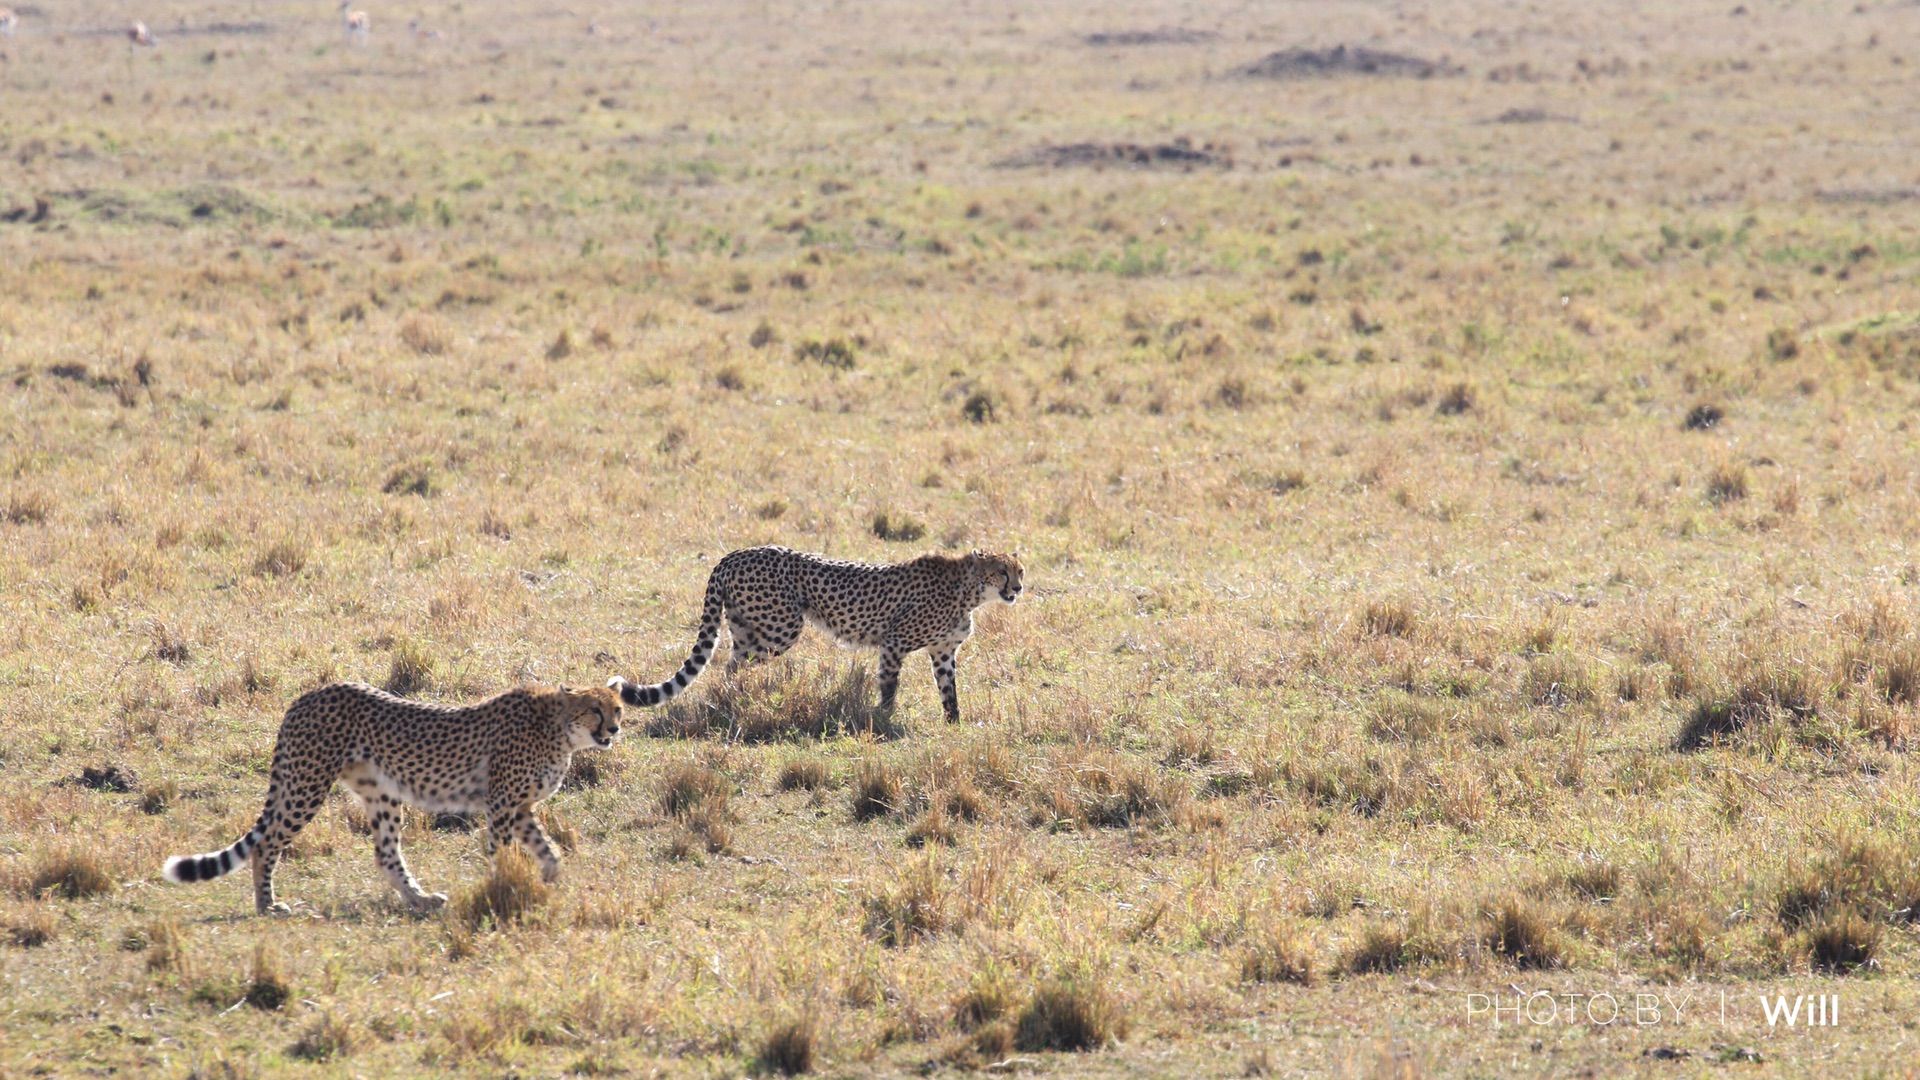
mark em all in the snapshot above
pixel 111 778
pixel 1180 153
pixel 1705 417
pixel 1166 35
pixel 1341 60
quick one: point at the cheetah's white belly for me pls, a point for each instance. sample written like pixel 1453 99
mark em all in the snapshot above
pixel 457 792
pixel 845 641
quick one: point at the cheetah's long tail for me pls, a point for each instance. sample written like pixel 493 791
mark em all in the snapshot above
pixel 661 693
pixel 191 868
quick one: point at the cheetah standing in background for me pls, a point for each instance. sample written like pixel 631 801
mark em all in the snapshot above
pixel 769 593
pixel 501 756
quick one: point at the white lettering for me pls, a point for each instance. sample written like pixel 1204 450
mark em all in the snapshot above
pixel 1778 1008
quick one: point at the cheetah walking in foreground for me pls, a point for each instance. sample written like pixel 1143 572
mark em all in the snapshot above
pixel 501 756
pixel 769 593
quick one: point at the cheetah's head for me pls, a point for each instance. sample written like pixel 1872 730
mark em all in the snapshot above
pixel 592 716
pixel 999 576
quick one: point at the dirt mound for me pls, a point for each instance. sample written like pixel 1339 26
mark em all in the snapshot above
pixel 1180 153
pixel 111 778
pixel 1341 60
pixel 1166 35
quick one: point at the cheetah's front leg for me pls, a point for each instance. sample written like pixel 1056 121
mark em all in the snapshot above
pixel 890 657
pixel 943 666
pixel 386 847
pixel 518 823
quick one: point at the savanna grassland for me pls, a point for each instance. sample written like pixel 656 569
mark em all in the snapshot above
pixel 1468 498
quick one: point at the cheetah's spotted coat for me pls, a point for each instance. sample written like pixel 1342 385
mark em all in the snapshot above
pixel 768 594
pixel 501 757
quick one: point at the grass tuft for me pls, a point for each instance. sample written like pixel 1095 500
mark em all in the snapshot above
pixel 1841 941
pixel 1595 879
pixel 286 557
pixel 1726 482
pixel 426 336
pixel 1518 930
pixel 1070 1013
pixel 914 907
pixel 410 669
pixel 511 892
pixel 804 774
pixel 1457 400
pixel 696 796
pixel 1277 954
pixel 1381 947
pixel 32 927
pixel 71 872
pixel 989 996
pixel 790 1046
pixel 27 507
pixel 1388 618
pixel 1763 690
pixel 777 703
pixel 328 1037
pixel 897 528
pixel 876 790
pixel 267 988
pixel 415 477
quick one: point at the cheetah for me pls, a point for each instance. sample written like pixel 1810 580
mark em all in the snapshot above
pixel 769 593
pixel 501 756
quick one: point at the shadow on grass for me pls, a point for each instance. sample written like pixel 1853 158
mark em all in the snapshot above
pixel 777 703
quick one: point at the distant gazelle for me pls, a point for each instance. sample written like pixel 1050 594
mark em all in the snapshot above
pixel 138 34
pixel 356 22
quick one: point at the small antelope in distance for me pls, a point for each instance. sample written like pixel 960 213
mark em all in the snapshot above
pixel 356 23
pixel 423 33
pixel 138 34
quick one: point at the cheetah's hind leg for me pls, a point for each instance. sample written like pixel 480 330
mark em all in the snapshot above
pixel 385 817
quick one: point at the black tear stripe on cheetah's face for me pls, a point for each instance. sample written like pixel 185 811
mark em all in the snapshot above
pixel 768 594
pixel 500 757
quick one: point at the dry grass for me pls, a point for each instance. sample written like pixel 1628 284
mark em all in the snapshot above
pixel 1074 1012
pixel 325 1039
pixel 1519 930
pixel 511 893
pixel 71 872
pixel 1486 543
pixel 789 1047
pixel 1279 954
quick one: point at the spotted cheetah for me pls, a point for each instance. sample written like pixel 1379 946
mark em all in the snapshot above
pixel 769 593
pixel 501 756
